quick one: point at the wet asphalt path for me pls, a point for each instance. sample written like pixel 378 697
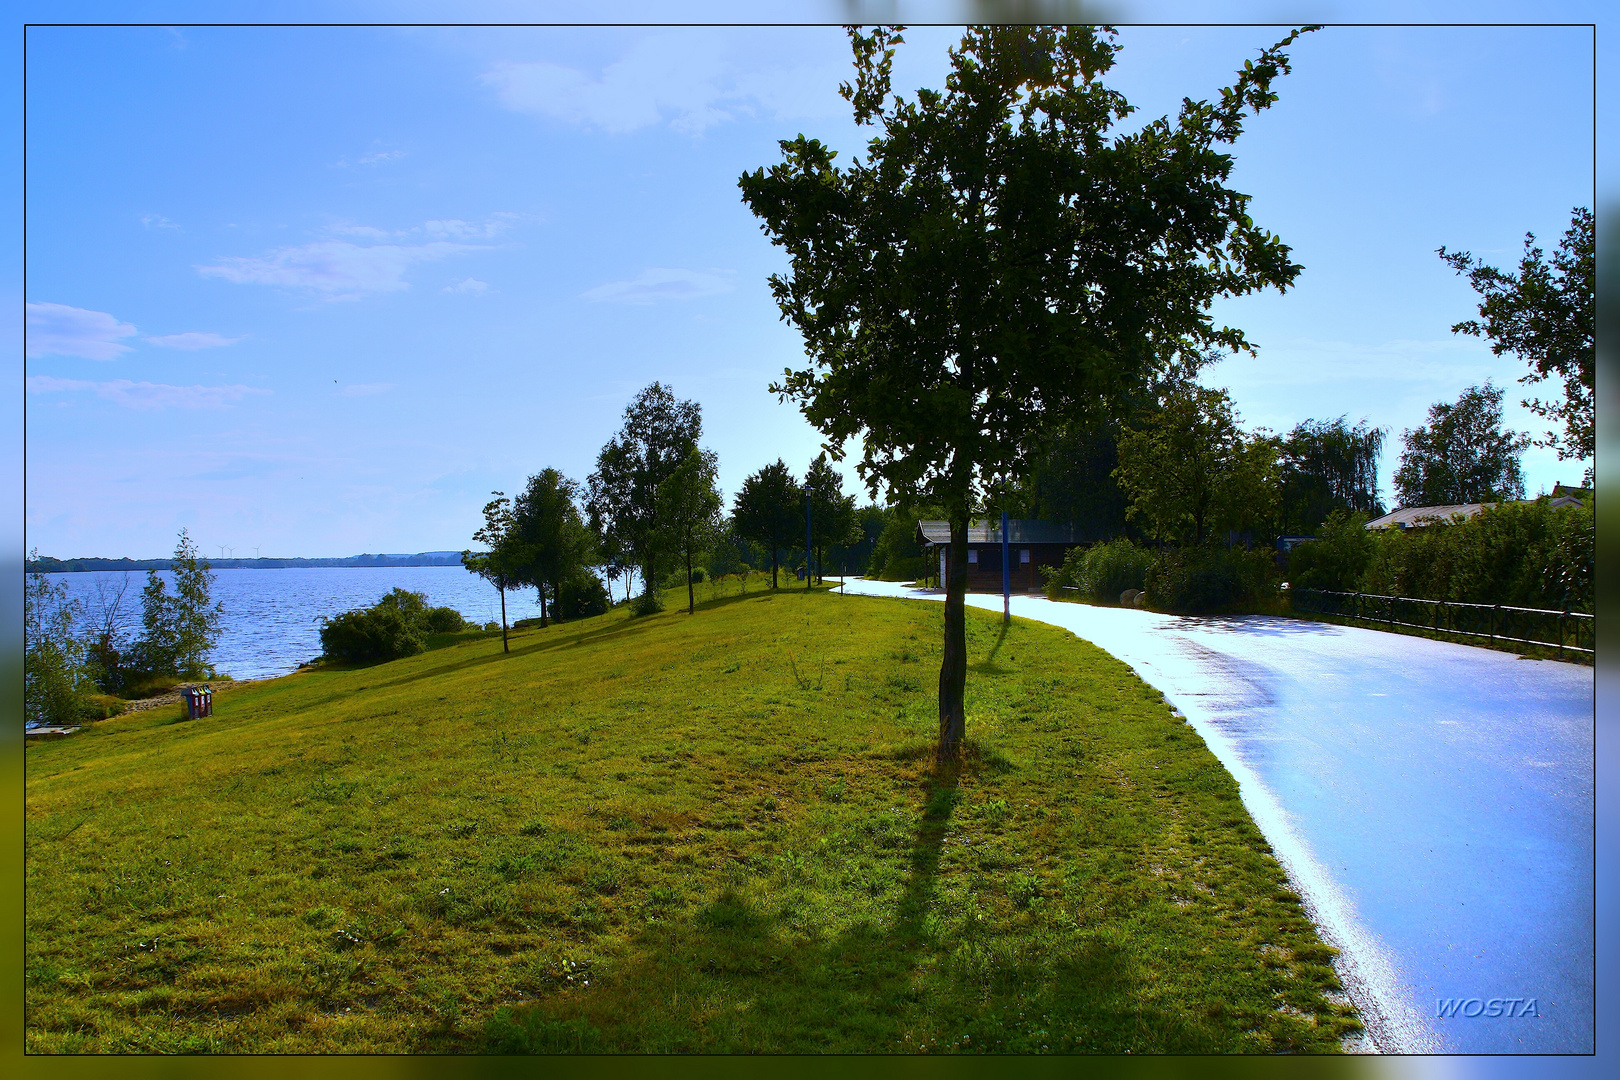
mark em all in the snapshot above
pixel 1432 802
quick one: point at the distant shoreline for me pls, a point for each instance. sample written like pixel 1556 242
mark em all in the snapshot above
pixel 49 565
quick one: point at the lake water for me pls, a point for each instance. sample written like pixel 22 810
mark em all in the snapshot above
pixel 272 617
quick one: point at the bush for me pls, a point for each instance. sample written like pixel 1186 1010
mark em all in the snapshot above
pixel 647 603
pixel 371 635
pixel 1524 553
pixel 580 596
pixel 1103 571
pixel 442 620
pixel 1337 559
pixel 1202 580
pixel 904 568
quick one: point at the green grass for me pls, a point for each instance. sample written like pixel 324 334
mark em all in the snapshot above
pixel 671 833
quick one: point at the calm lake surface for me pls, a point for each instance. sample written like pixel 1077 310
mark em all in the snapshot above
pixel 273 618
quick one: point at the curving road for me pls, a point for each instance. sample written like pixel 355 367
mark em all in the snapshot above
pixel 1432 802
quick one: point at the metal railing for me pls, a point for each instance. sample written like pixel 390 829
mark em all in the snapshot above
pixel 1574 631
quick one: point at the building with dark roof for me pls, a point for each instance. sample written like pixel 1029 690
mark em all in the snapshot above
pixel 1033 544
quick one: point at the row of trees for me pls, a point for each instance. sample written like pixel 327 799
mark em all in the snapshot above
pixel 70 654
pixel 1187 472
pixel 652 503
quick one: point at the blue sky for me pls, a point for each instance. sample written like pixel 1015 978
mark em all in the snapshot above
pixel 317 291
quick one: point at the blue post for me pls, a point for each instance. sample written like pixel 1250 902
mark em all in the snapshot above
pixel 1006 572
pixel 809 570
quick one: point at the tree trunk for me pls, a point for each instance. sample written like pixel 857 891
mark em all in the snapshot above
pixel 505 648
pixel 691 606
pixel 773 568
pixel 953 665
pixel 541 589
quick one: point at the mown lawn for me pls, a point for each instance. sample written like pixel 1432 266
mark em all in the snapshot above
pixel 712 833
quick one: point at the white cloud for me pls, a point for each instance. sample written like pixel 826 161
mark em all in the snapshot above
pixel 145 395
pixel 363 232
pixel 366 389
pixel 71 331
pixel 381 157
pixel 157 221
pixel 456 229
pixel 437 229
pixel 687 80
pixel 195 339
pixel 470 286
pixel 341 270
pixel 655 78
pixel 658 283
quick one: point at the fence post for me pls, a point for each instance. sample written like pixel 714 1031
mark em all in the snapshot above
pixel 1494 609
pixel 1562 615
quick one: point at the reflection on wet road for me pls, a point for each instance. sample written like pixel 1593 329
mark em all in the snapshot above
pixel 1432 802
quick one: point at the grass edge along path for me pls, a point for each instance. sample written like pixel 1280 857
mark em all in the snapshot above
pixel 717 833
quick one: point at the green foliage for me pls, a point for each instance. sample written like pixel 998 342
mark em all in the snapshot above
pixel 553 538
pixel 689 510
pixel 1337 558
pixel 581 595
pixel 411 605
pixel 1528 554
pixel 1328 466
pixel 769 510
pixel 1546 315
pixel 990 206
pixel 1209 579
pixel 442 620
pixel 1072 480
pixel 396 625
pixel 1461 455
pixel 833 519
pixel 1102 571
pixel 999 261
pixel 1190 473
pixel 371 635
pixel 178 629
pixel 897 555
pixel 505 558
pixel 56 683
pixel 658 435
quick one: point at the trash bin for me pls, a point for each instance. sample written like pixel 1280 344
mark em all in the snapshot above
pixel 199 702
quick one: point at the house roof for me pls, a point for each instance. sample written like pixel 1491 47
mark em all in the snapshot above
pixel 1420 516
pixel 1019 531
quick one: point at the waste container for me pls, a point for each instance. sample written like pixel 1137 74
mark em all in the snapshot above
pixel 199 702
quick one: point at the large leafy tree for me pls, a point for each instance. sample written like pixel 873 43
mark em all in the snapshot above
pixel 1461 455
pixel 556 542
pixel 1546 315
pixel 658 433
pixel 832 513
pixel 768 508
pixel 689 505
pixel 1190 472
pixel 1328 465
pixel 1000 260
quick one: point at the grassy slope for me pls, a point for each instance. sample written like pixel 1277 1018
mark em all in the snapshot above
pixel 719 832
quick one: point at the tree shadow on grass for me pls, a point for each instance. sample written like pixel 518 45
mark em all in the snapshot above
pixel 988 665
pixel 735 976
